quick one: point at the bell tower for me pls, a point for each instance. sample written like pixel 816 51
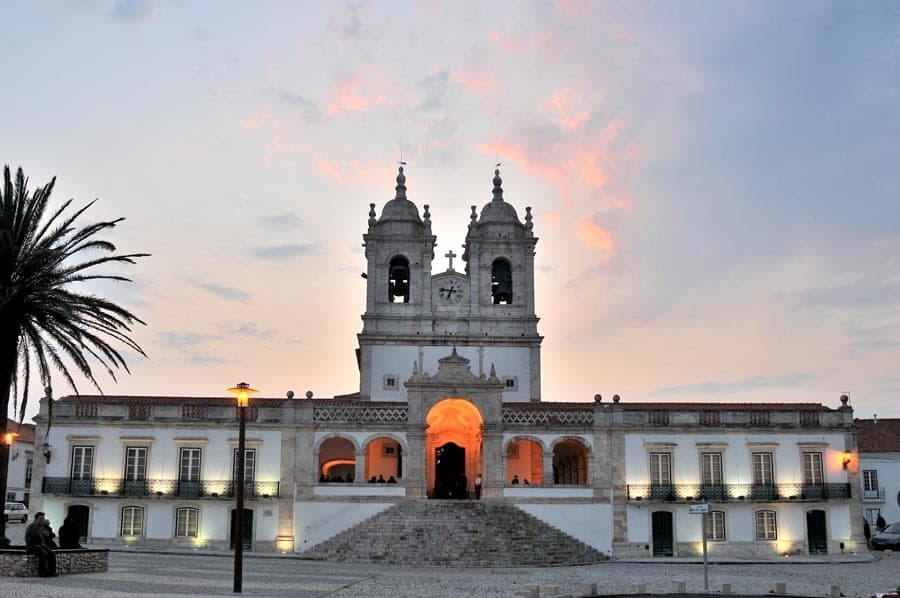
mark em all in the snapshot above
pixel 399 250
pixel 413 319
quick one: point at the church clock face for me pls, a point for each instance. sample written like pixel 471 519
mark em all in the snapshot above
pixel 451 292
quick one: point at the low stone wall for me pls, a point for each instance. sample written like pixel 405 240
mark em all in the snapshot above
pixel 16 562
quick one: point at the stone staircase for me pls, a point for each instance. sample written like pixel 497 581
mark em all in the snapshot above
pixel 456 533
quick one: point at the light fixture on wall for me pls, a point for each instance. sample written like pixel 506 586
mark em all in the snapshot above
pixel 846 459
pixel 46 450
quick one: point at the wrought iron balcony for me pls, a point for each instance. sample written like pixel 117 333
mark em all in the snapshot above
pixel 873 495
pixel 117 487
pixel 737 492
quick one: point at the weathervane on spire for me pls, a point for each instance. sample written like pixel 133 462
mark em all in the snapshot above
pixel 497 156
pixel 400 161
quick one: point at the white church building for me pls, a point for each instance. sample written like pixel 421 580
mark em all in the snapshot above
pixel 450 389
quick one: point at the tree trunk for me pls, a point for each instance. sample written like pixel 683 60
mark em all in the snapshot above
pixel 8 359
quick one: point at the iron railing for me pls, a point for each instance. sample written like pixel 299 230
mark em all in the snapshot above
pixel 874 494
pixel 160 488
pixel 737 492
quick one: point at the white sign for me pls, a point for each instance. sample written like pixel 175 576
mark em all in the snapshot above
pixel 699 509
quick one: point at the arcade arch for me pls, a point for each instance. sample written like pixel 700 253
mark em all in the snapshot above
pixel 453 448
pixel 337 460
pixel 570 462
pixel 384 457
pixel 524 461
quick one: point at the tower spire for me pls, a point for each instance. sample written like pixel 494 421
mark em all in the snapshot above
pixel 401 183
pixel 498 185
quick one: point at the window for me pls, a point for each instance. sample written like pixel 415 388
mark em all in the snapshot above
pixel 136 463
pixel 715 526
pixel 398 280
pixel 501 282
pixel 511 383
pixel 82 462
pixel 870 483
pixel 132 521
pixel 29 467
pixel 872 516
pixel 249 465
pixel 765 525
pixel 189 470
pixel 186 523
pixel 660 469
pixel 390 382
pixel 763 472
pixel 711 469
pixel 812 469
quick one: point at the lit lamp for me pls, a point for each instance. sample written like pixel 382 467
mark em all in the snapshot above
pixel 9 438
pixel 242 391
pixel 846 461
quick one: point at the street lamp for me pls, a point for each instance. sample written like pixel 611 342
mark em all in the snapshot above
pixel 242 391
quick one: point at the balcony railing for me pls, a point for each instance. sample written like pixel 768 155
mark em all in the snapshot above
pixel 873 495
pixel 118 487
pixel 737 492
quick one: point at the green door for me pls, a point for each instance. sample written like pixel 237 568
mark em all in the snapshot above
pixel 816 533
pixel 662 534
pixel 248 527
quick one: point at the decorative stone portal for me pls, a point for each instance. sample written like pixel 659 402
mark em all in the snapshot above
pixel 453 448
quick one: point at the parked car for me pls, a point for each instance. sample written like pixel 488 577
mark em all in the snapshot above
pixel 16 511
pixel 888 538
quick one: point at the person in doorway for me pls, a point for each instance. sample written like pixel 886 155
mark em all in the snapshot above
pixel 515 480
pixel 880 523
pixel 68 534
pixel 36 543
pixel 479 482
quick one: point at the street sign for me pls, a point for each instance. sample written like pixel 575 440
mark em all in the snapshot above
pixel 700 509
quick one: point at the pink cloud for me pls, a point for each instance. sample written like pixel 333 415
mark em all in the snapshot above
pixel 329 169
pixel 475 78
pixel 595 236
pixel 566 113
pixel 551 219
pixel 255 120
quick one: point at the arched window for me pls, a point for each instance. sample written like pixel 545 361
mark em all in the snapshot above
pixel 524 462
pixel 384 460
pixel 186 521
pixel 570 463
pixel 132 521
pixel 501 282
pixel 337 460
pixel 398 280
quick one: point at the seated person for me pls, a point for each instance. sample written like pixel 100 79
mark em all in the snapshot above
pixel 68 534
pixel 391 480
pixel 372 480
pixel 36 537
pixel 515 480
pixel 380 479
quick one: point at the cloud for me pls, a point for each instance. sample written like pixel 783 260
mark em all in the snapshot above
pixel 185 340
pixel 329 169
pixel 249 329
pixel 595 236
pixel 222 291
pixel 205 359
pixel 561 104
pixel 280 222
pixel 255 120
pixel 377 173
pixel 282 253
pixel 309 111
pixel 747 384
pixel 476 77
pixel 352 94
pixel 131 11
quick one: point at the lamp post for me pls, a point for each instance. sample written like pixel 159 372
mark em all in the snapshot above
pixel 242 391
pixel 8 439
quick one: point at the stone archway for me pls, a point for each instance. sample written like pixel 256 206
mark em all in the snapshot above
pixel 453 448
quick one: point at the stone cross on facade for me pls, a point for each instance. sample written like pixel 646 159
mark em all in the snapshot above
pixel 450 255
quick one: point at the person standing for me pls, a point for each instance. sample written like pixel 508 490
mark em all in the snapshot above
pixel 479 482
pixel 68 534
pixel 880 523
pixel 36 543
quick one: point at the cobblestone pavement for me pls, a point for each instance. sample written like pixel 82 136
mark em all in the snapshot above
pixel 192 574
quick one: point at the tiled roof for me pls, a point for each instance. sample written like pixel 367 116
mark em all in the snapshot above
pixel 882 436
pixel 26 431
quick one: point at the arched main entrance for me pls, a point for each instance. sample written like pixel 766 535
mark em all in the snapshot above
pixel 453 452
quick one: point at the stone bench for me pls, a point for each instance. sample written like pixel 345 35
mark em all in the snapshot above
pixel 15 562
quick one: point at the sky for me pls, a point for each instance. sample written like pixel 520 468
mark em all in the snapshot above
pixel 715 185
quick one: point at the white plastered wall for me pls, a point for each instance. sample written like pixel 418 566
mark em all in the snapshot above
pixel 590 523
pixel 315 522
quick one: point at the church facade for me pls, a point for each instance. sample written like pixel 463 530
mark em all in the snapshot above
pixel 450 391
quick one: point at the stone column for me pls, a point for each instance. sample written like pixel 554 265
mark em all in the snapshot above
pixel 414 464
pixel 359 473
pixel 494 472
pixel 547 458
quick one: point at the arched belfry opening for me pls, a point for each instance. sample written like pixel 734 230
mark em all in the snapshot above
pixel 453 448
pixel 501 282
pixel 398 280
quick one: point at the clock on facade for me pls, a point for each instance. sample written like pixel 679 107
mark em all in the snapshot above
pixel 451 292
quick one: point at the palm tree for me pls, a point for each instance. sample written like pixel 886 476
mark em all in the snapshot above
pixel 45 322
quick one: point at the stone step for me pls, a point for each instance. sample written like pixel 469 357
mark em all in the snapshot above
pixel 457 534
